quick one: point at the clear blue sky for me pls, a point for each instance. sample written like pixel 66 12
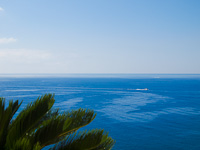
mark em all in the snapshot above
pixel 100 36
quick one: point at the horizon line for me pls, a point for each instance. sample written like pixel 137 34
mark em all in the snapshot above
pixel 97 75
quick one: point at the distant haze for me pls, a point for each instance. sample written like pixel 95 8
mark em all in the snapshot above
pixel 100 36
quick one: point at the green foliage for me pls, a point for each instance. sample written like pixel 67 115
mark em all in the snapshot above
pixel 38 126
pixel 86 140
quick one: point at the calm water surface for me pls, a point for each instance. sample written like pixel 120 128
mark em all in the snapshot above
pixel 166 116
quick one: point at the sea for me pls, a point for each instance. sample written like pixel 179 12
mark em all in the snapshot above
pixel 140 111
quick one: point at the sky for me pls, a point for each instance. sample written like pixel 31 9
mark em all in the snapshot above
pixel 100 36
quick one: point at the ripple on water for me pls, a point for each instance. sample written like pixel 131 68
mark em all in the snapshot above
pixel 130 108
pixel 69 103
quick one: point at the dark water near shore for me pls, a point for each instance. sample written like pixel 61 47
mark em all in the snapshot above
pixel 164 117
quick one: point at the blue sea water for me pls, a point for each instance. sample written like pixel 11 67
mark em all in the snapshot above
pixel 164 117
